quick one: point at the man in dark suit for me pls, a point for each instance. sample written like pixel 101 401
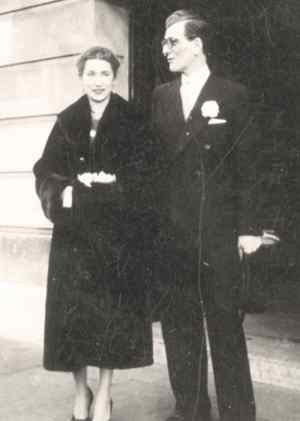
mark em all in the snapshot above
pixel 206 146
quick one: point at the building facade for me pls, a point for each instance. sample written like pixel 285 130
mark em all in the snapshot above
pixel 41 41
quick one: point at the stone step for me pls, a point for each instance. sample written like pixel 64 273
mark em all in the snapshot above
pixel 273 339
pixel 274 359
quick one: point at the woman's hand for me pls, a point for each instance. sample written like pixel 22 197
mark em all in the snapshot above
pixel 101 177
pixel 86 178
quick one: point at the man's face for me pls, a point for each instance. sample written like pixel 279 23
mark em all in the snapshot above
pixel 179 51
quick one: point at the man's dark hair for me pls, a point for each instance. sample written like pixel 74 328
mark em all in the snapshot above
pixel 195 26
pixel 100 53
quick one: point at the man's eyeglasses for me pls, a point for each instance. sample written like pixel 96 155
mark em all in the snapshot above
pixel 171 43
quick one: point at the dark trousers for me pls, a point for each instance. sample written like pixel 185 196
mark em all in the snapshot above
pixel 183 332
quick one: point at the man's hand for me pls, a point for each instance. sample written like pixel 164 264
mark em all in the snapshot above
pixel 248 244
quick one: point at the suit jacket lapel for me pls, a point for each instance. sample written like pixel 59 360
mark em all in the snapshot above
pixel 177 102
pixel 197 122
pixel 170 120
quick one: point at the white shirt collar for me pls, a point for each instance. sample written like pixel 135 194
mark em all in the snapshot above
pixel 197 79
pixel 191 86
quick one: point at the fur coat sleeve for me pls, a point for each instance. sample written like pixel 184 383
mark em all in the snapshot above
pixel 53 173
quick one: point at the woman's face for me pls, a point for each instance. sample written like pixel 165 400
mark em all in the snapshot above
pixel 97 79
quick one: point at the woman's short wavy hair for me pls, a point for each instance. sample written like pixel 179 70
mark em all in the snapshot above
pixel 100 53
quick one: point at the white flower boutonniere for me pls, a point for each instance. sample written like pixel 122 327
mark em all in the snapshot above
pixel 210 109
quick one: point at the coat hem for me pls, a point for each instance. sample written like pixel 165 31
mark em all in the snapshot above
pixel 140 364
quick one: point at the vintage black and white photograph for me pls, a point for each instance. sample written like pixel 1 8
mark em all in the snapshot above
pixel 150 210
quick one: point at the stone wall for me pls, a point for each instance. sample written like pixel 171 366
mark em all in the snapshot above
pixel 43 40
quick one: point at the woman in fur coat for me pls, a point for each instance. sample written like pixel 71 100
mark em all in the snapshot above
pixel 91 186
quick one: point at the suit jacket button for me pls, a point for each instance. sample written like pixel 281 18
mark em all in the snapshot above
pixel 187 133
pixel 207 146
pixel 197 173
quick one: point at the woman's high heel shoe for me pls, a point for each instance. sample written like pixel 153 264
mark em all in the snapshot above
pixel 91 397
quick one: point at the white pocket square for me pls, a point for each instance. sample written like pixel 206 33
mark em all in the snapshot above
pixel 217 121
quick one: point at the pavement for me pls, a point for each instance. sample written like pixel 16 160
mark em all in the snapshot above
pixel 29 393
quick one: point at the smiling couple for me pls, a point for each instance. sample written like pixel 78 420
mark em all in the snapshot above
pixel 169 217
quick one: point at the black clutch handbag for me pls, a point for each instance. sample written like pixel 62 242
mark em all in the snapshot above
pixel 256 284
